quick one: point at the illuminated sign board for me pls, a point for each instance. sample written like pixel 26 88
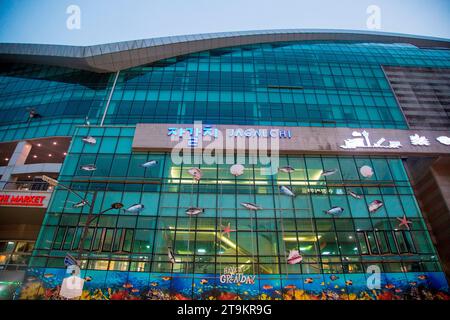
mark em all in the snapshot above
pixel 323 140
pixel 24 199
pixel 193 133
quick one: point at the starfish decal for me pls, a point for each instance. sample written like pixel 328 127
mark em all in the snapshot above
pixel 404 222
pixel 227 229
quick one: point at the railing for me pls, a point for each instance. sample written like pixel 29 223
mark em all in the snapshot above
pixel 26 185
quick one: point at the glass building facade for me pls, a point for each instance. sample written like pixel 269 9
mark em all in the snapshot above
pixel 323 84
pixel 125 255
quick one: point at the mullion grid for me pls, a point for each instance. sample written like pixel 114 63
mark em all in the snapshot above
pixel 280 257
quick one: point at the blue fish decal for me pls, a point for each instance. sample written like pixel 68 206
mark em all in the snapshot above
pixel 334 211
pixel 88 167
pixel 287 191
pixel 89 140
pixel 326 173
pixel 171 255
pixel 250 206
pixel 70 261
pixel 135 208
pixel 80 204
pixel 149 164
pixel 286 169
pixel 193 211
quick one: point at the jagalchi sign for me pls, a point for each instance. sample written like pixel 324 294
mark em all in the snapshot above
pixel 164 137
pixel 207 130
pixel 259 133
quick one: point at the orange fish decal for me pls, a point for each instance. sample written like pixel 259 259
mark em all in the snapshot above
pixel 267 287
pixel 166 278
pixel 179 296
pixel 308 280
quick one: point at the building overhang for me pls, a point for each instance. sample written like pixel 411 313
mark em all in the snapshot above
pixel 112 57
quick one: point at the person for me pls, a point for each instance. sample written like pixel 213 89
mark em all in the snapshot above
pixel 72 287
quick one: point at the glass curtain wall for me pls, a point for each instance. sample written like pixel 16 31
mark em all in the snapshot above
pixel 137 244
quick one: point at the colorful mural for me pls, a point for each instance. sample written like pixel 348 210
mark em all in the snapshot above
pixel 44 284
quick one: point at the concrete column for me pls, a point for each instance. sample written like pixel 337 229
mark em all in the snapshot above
pixel 431 182
pixel 18 158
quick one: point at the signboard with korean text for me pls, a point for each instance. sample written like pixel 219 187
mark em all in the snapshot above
pixel 323 140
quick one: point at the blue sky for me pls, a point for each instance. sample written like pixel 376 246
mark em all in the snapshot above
pixel 103 21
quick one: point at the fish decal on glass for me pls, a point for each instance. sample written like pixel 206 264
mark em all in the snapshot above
pixel 196 173
pixel 135 208
pixel 149 164
pixel 251 206
pixel 354 195
pixel 287 191
pixel 32 113
pixel 375 205
pixel 286 169
pixel 366 172
pixel 237 170
pixel 69 260
pixel 334 277
pixel 349 282
pixel 334 211
pixel 80 204
pixel 308 280
pixel 88 167
pixel 327 173
pixel 171 255
pixel 294 257
pixel 194 211
pixel 89 140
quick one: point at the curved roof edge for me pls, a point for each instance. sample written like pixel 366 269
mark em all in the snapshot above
pixel 122 55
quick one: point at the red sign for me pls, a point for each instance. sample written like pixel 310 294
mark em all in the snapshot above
pixel 21 200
